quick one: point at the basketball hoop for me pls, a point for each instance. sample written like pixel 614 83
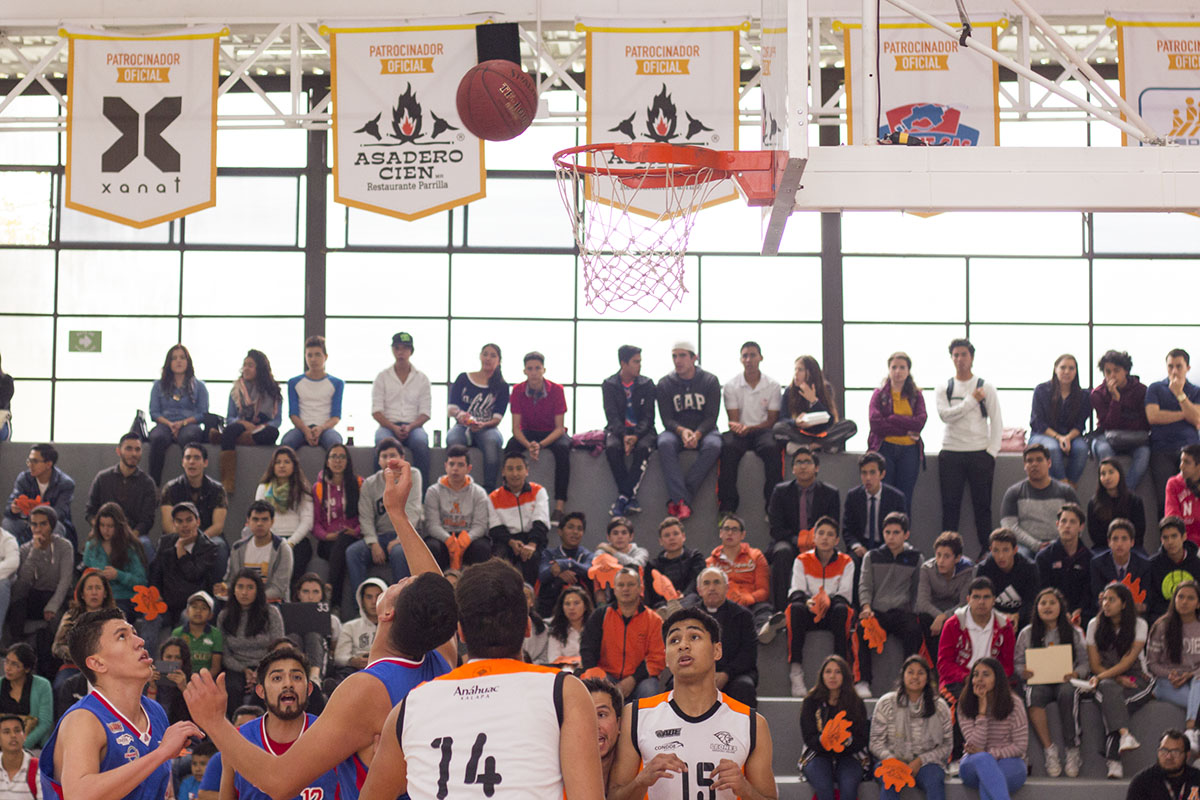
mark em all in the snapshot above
pixel 632 208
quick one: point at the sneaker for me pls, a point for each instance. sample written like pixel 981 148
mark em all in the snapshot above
pixel 863 689
pixel 952 769
pixel 1074 762
pixel 632 507
pixel 673 508
pixel 685 511
pixel 619 508
pixel 1115 771
pixel 796 673
pixel 1129 743
pixel 556 516
pixel 1053 764
pixel 766 634
pixel 1193 737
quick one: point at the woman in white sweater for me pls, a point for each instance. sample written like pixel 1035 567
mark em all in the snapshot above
pixel 284 486
pixel 571 611
pixel 1173 655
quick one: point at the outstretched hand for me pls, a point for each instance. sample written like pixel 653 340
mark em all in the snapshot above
pixel 397 483
pixel 206 699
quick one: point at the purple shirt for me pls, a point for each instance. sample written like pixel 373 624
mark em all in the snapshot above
pixel 538 414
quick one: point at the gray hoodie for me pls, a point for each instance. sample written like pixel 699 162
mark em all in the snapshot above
pixel 373 518
pixel 940 595
pixel 448 511
pixel 357 635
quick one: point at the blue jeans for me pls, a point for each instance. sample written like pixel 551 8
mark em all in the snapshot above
pixel 1075 461
pixel 1139 459
pixel 823 770
pixel 295 439
pixel 417 443
pixel 161 438
pixel 5 596
pixel 5 431
pixel 995 779
pixel 358 560
pixel 680 486
pixel 1186 697
pixel 931 779
pixel 489 441
pixel 903 467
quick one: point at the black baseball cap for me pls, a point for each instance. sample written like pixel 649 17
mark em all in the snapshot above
pixel 404 339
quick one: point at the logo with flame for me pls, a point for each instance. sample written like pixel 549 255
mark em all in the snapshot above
pixel 408 120
pixel 662 121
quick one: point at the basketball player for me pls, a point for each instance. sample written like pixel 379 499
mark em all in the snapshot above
pixel 495 727
pixel 694 735
pixel 413 643
pixel 119 742
pixel 283 685
pixel 608 701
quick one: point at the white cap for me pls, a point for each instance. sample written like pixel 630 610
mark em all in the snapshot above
pixel 684 344
pixel 202 595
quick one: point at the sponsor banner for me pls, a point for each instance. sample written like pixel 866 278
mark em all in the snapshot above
pixel 929 86
pixel 675 84
pixel 142 124
pixel 399 147
pixel 1159 63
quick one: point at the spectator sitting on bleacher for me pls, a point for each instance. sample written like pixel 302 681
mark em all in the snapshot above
pixel 254 415
pixel 809 393
pixel 478 401
pixel 794 508
pixel 1170 777
pixel 689 400
pixel 1014 577
pixel 822 570
pixel 519 518
pixel 625 640
pixel 249 624
pixel 284 486
pixel 41 481
pixel 621 546
pixel 888 592
pixel 1119 563
pixel 571 612
pixel 912 724
pixel 202 753
pixel 19 778
pixel 10 561
pixel 1067 564
pixel 401 400
pixel 42 583
pixel 27 694
pixel 335 514
pixel 92 592
pixel 166 688
pixel 564 566
pixel 1183 492
pixel 1058 417
pixel 314 401
pixel 1173 656
pixel 737 668
pixel 207 495
pixel 379 543
pixel 454 505
pixel 679 564
pixel 185 563
pixel 1114 499
pixel 537 641
pixel 868 505
pixel 1121 424
pixel 843 767
pixel 978 619
pixel 178 403
pixel 205 641
pixel 996 733
pixel 353 648
pixel 1030 507
pixel 263 552
pixel 746 568
pixel 127 486
pixel 1173 411
pixel 539 407
pixel 309 588
pixel 942 586
pixel 628 397
pixel 114 550
pixel 1176 561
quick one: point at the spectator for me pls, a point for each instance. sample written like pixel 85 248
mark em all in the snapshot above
pixel 1030 507
pixel 202 753
pixel 249 625
pixel 1118 563
pixel 1176 561
pixel 284 486
pixel 868 504
pixel 820 571
pixel 353 648
pixel 1014 577
pixel 6 394
pixel 210 786
pixel 976 621
pixel 10 561
pixel 1183 492
pixel 1066 565
pixel 888 592
pixel 689 399
pixel 1114 499
pixel 792 513
pixel 826 768
pixel 92 592
pixel 401 403
pixel 166 687
pixel 254 416
pixel 178 403
pixel 970 409
pixel 19 778
pixel 1173 655
pixel 478 401
pixel 311 588
pixel 519 518
pixel 379 543
pixel 942 586
pixel 1121 424
pixel 752 404
pixel 621 546
pixel 43 580
pixel 912 724
pixel 897 415
pixel 456 508
pixel 262 552
pixel 570 613
pixel 127 486
pixel 565 566
pixel 185 563
pixel 1173 411
pixel 205 494
pixel 27 694
pixel 678 563
pixel 1051 626
pixel 335 514
pixel 737 668
pixel 538 409
pixel 41 483
pixel 1169 777
pixel 115 551
pixel 314 401
pixel 625 640
pixel 1058 417
pixel 538 639
pixel 996 732
pixel 205 642
pixel 809 413
pixel 1115 638
pixel 746 568
pixel 629 431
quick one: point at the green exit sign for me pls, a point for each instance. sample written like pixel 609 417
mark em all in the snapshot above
pixel 84 341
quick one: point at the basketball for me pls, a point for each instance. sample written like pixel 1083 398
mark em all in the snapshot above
pixel 496 100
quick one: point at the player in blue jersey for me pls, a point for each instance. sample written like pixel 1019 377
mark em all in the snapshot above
pixel 413 643
pixel 283 685
pixel 119 743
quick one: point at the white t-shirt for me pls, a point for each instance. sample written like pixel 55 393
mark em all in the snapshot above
pixel 258 558
pixel 1141 631
pixel 753 402
pixel 981 638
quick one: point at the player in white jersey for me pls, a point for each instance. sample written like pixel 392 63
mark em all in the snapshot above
pixel 495 727
pixel 677 745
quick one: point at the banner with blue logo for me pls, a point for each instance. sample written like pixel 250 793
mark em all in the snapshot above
pixel 1159 64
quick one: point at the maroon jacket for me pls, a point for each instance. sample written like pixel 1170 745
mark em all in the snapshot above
pixel 1127 414
pixel 884 423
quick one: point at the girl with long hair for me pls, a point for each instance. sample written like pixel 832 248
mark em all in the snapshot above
pixel 254 415
pixel 335 515
pixel 915 725
pixel 166 688
pixel 1173 656
pixel 1115 640
pixel 897 416
pixel 249 624
pixel 995 733
pixel 478 401
pixel 285 487
pixel 1051 626
pixel 92 593
pixel 1113 500
pixel 116 552
pixel 178 403
pixel 826 769
pixel 28 695
pixel 807 396
pixel 1059 414
pixel 571 612
pixel 310 588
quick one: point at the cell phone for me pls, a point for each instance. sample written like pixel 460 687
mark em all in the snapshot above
pixel 167 667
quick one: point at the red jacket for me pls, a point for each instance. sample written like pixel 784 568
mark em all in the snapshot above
pixel 954 647
pixel 1182 502
pixel 749 578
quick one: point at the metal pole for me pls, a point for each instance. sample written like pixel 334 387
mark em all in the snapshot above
pixel 868 124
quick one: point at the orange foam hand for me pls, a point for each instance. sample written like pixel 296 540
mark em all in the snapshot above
pixel 820 605
pixel 895 774
pixel 594 672
pixel 148 602
pixel 1135 588
pixel 805 541
pixel 604 569
pixel 25 504
pixel 1076 618
pixel 663 586
pixel 874 633
pixel 836 733
pixel 457 544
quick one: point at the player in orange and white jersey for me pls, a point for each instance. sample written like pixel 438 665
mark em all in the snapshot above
pixel 693 740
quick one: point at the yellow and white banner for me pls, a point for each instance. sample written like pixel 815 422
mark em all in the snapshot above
pixel 670 83
pixel 142 124
pixel 1159 64
pixel 929 86
pixel 399 147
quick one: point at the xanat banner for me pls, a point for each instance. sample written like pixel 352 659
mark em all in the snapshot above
pixel 1159 64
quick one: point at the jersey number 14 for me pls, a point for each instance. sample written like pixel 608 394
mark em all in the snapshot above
pixel 489 778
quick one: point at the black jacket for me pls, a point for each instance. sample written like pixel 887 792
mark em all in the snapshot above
pixel 682 571
pixel 783 510
pixel 1151 784
pixel 1071 575
pixel 739 641
pixel 1015 589
pixel 1104 572
pixel 1158 588
pixel 614 405
pixel 177 578
pixel 854 515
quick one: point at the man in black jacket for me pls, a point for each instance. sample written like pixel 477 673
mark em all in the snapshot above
pixel 1175 561
pixel 867 505
pixel 680 564
pixel 1170 778
pixel 737 669
pixel 795 505
pixel 629 410
pixel 186 562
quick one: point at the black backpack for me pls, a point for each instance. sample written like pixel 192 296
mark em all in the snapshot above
pixel 978 385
